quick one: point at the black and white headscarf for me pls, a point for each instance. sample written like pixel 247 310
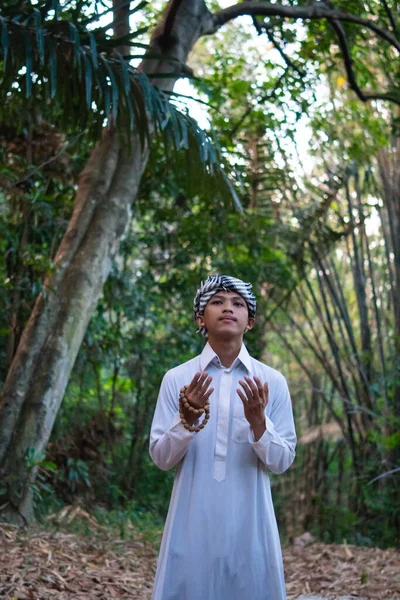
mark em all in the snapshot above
pixel 215 283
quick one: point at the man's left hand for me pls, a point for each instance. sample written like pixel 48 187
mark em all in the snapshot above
pixel 255 399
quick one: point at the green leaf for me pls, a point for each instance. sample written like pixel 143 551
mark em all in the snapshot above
pixel 125 40
pixel 56 7
pixel 185 135
pixel 125 74
pixel 39 35
pixel 50 465
pixel 117 6
pixel 77 75
pixel 93 48
pixel 235 197
pixel 5 41
pixel 88 80
pixel 74 36
pixel 114 87
pixel 53 68
pixel 107 101
pixel 17 18
pixel 131 114
pixel 28 63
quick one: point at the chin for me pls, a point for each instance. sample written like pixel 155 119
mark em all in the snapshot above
pixel 225 334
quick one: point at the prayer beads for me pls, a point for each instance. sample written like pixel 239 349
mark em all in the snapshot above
pixel 184 404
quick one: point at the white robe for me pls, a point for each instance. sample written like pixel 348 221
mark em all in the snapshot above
pixel 221 540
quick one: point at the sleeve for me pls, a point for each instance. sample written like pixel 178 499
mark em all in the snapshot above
pixel 169 440
pixel 276 447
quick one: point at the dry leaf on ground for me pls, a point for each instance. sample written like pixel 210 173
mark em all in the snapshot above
pixel 40 565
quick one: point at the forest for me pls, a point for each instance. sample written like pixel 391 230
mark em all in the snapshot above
pixel 146 146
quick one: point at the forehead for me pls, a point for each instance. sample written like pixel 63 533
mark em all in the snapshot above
pixel 227 294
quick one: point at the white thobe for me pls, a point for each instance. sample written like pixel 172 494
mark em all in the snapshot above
pixel 221 540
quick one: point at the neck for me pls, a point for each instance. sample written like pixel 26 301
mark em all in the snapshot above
pixel 227 350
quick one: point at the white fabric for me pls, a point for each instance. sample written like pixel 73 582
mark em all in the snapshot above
pixel 221 540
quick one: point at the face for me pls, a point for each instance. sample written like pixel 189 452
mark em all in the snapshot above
pixel 226 316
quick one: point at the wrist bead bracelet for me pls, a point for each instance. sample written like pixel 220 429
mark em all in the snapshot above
pixel 184 404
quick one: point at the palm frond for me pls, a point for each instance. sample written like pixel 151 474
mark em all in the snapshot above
pixel 53 61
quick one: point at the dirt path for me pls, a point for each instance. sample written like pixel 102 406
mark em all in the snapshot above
pixel 39 565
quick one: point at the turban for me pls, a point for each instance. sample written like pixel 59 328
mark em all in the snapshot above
pixel 215 283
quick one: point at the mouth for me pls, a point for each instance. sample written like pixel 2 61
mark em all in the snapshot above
pixel 228 319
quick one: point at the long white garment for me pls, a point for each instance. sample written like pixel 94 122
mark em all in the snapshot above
pixel 221 540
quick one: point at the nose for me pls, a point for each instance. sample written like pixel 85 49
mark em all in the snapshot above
pixel 228 310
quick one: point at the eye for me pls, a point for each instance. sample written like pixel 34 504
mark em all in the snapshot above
pixel 239 304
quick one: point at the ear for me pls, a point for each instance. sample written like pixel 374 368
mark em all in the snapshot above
pixel 200 321
pixel 250 324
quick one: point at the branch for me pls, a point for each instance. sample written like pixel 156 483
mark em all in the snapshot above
pixel 170 17
pixel 316 11
pixel 163 34
pixel 386 474
pixel 257 25
pixel 390 16
pixel 348 63
pixel 277 47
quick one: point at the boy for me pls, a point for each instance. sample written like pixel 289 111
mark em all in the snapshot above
pixel 221 540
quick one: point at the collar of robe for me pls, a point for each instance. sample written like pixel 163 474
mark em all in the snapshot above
pixel 208 355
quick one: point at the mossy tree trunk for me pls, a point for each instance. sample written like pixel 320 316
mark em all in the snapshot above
pixel 108 186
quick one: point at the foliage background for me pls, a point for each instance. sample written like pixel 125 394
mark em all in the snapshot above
pixel 318 242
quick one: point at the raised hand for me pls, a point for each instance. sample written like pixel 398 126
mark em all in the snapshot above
pixel 255 399
pixel 197 394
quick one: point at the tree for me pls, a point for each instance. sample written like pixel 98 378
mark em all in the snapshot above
pixel 39 373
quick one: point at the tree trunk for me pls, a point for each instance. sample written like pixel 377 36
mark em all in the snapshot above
pixel 40 371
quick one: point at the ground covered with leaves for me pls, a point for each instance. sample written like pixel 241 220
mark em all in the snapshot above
pixel 341 571
pixel 43 563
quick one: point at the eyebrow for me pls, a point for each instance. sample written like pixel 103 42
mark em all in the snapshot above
pixel 218 297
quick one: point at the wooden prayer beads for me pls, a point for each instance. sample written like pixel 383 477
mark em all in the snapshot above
pixel 184 404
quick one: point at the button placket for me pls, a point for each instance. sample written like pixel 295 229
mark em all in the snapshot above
pixel 221 444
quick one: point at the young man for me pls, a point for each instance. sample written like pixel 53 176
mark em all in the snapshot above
pixel 221 540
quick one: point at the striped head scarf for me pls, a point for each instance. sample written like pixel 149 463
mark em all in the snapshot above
pixel 215 283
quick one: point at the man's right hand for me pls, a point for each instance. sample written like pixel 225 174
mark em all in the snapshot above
pixel 197 394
